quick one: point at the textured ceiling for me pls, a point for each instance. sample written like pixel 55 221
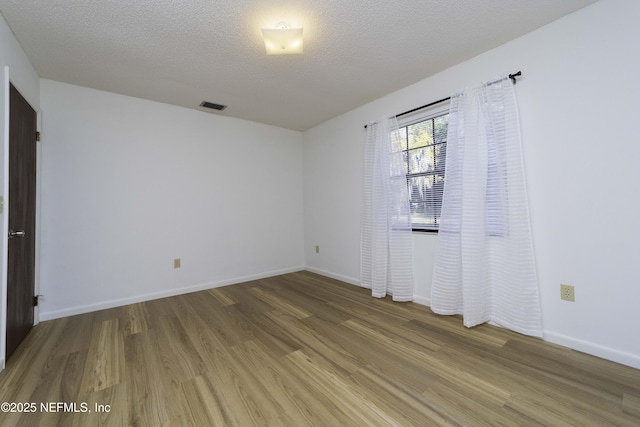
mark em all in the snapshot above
pixel 184 52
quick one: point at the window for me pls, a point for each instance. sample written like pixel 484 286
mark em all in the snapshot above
pixel 423 145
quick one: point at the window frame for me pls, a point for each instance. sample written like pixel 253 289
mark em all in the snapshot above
pixel 420 116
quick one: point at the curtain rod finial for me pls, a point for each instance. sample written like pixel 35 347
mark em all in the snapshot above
pixel 514 75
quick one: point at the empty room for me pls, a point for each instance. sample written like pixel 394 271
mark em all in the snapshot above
pixel 320 213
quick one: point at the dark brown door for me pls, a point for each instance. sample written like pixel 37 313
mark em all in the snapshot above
pixel 22 219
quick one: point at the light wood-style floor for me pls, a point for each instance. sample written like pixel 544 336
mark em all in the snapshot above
pixel 304 350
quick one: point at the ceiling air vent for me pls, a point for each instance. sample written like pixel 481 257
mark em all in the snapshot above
pixel 213 106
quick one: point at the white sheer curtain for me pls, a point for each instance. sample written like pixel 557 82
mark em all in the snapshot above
pixel 386 245
pixel 485 267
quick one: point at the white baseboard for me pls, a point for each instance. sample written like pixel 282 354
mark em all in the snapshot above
pixel 422 300
pixel 552 337
pixel 416 298
pixel 593 349
pixel 340 277
pixel 49 315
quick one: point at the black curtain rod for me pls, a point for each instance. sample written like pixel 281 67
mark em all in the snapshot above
pixel 511 76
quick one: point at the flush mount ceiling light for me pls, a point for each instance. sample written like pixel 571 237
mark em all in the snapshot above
pixel 282 40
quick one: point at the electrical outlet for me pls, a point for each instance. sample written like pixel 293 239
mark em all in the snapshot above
pixel 567 293
pixel 176 263
pixel 317 249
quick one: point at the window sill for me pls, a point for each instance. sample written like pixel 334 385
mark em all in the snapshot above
pixel 424 231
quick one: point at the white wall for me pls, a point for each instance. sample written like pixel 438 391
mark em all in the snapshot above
pixel 14 68
pixel 128 185
pixel 579 101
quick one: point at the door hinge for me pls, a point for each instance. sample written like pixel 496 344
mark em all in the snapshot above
pixel 37 136
pixel 36 300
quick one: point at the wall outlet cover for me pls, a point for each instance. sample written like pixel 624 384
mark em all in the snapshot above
pixel 567 292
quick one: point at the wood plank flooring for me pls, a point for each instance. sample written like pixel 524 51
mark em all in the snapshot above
pixel 303 350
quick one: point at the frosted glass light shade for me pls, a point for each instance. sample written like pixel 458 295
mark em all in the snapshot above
pixel 282 41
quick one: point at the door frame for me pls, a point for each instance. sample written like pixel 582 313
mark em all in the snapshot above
pixel 4 226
